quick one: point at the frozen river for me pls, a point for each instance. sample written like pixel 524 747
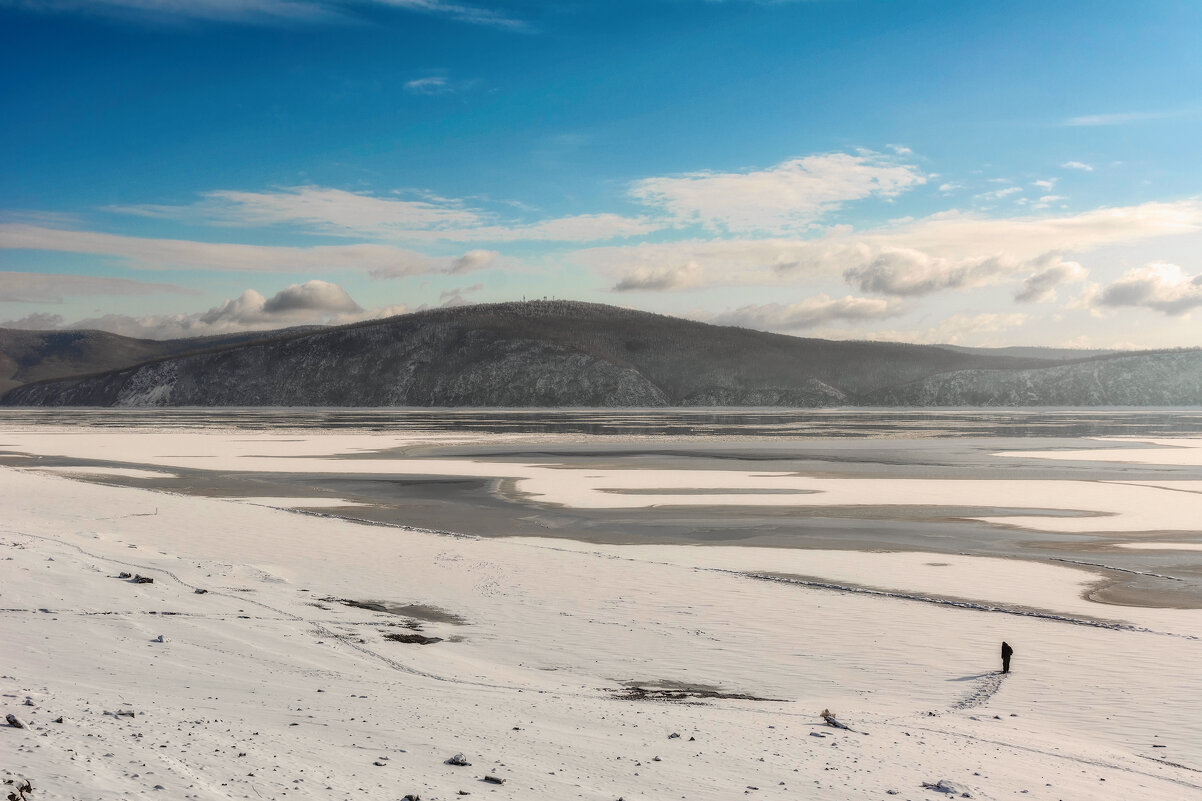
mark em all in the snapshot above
pixel 1119 491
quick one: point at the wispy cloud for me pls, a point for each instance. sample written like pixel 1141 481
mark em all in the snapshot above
pixel 469 262
pixel 809 313
pixel 1122 118
pixel 181 254
pixel 578 228
pixel 254 12
pixel 38 321
pixel 319 209
pixel 316 209
pixel 999 194
pixel 458 296
pixel 434 83
pixel 1045 201
pixel 463 13
pixel 956 233
pixel 18 287
pixel 429 85
pixel 947 251
pixel 787 197
pixel 459 291
pixel 310 303
pixel 263 12
pixel 1077 165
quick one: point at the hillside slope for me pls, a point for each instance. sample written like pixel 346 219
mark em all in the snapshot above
pixel 557 354
pixel 1144 379
pixel 29 356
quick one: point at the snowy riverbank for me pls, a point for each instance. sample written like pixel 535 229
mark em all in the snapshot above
pixel 263 689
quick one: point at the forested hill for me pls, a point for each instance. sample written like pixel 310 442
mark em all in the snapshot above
pixel 28 356
pixel 550 353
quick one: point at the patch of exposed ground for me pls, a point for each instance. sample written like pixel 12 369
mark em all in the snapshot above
pixel 430 614
pixel 680 692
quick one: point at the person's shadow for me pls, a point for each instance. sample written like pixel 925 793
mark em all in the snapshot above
pixel 976 676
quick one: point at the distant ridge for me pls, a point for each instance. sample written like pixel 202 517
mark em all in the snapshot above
pixel 28 356
pixel 1165 378
pixel 1036 352
pixel 561 353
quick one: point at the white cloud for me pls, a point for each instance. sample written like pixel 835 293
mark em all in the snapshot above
pixel 471 261
pixel 458 295
pixel 38 321
pixel 474 260
pixel 178 254
pixel 246 309
pixel 1047 200
pixel 237 11
pixel 719 262
pixel 1077 165
pixel 320 209
pixel 658 279
pixel 952 250
pixel 312 300
pixel 378 313
pixel 309 297
pixel 998 194
pixel 950 187
pixel 953 234
pixel 316 209
pixel 429 85
pixel 1041 286
pixel 579 228
pixel 808 313
pixel 261 12
pixel 310 303
pixel 1121 118
pixel 18 287
pixel 1162 287
pixel 789 196
pixel 903 272
pixel 456 11
pixel 1048 184
pixel 154 326
pixel 869 265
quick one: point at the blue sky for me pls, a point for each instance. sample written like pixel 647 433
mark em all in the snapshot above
pixel 972 173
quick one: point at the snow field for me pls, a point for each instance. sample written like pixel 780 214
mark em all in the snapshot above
pixel 552 629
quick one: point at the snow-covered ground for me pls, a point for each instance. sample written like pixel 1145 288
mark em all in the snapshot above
pixel 266 686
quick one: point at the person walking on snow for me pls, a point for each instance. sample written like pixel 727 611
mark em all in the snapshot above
pixel 1006 652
